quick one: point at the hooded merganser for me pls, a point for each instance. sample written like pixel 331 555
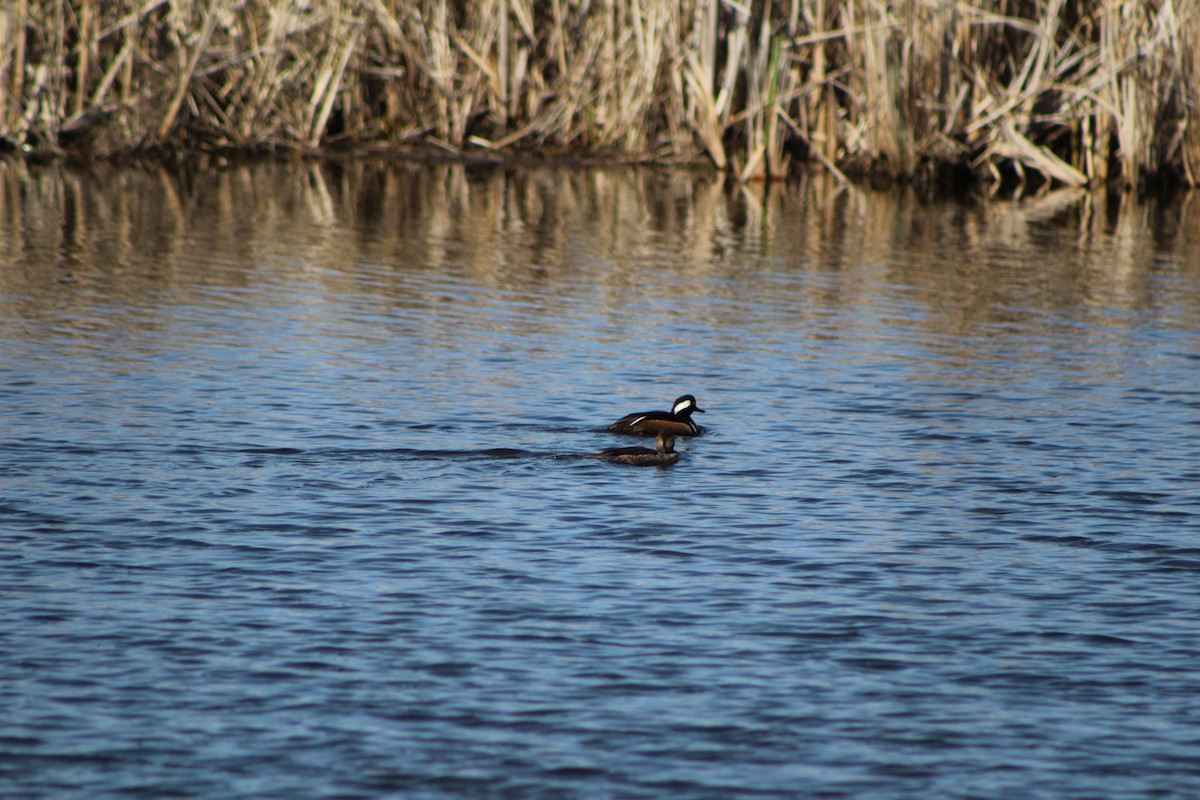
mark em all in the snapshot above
pixel 643 456
pixel 677 421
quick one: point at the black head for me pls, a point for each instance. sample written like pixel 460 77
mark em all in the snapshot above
pixel 685 405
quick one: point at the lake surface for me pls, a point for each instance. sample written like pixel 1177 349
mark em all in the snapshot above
pixel 281 514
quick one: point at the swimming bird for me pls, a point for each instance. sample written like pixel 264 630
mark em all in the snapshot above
pixel 663 455
pixel 677 421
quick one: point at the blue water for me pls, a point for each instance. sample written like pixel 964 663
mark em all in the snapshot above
pixel 280 513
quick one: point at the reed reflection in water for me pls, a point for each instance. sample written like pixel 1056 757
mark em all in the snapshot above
pixel 281 515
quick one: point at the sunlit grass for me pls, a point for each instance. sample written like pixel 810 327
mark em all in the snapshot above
pixel 1030 92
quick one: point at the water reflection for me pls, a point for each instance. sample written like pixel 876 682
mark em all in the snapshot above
pixel 599 236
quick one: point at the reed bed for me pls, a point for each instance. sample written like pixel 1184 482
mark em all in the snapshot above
pixel 1032 92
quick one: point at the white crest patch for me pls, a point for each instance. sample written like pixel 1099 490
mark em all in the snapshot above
pixel 686 404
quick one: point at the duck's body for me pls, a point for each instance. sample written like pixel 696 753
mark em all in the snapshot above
pixel 663 455
pixel 677 421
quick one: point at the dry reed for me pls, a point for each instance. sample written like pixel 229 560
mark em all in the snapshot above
pixel 1037 92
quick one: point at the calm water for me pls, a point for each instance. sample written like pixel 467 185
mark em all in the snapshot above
pixel 280 514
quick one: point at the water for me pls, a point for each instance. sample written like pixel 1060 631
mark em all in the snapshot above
pixel 281 513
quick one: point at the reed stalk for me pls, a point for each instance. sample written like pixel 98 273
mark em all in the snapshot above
pixel 1031 93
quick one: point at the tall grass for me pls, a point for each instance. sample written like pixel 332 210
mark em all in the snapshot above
pixel 1037 92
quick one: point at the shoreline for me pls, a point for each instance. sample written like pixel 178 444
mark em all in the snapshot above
pixel 1098 95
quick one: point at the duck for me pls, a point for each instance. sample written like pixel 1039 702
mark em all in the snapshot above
pixel 677 421
pixel 663 454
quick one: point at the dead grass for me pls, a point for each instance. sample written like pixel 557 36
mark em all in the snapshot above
pixel 1032 92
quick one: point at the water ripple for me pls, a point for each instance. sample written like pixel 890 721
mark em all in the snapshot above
pixel 288 519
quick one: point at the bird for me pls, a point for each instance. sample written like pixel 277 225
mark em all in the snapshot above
pixel 677 421
pixel 663 455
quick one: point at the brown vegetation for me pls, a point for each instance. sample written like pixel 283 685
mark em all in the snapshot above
pixel 1045 91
